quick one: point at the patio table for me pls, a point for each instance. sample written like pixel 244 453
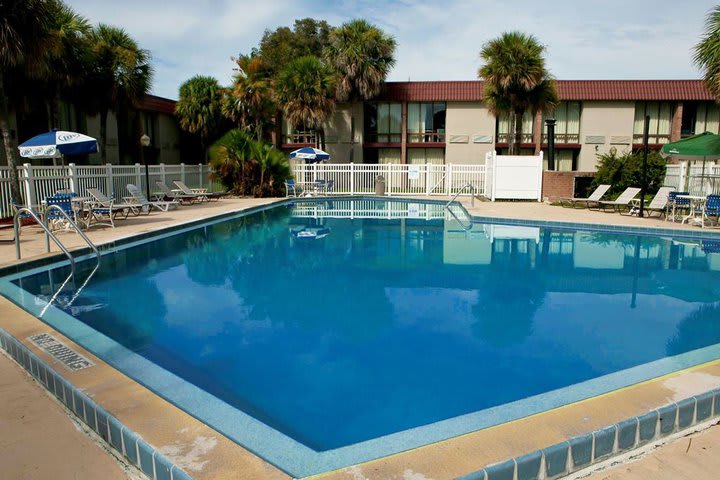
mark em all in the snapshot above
pixel 697 205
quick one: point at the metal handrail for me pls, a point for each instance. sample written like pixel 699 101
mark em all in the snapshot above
pixel 49 235
pixel 465 227
pixel 77 229
pixel 462 189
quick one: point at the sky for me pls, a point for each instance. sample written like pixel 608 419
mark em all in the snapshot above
pixel 437 40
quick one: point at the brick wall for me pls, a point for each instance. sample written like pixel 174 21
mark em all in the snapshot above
pixel 560 184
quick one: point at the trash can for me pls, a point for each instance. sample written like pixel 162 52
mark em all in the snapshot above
pixel 379 185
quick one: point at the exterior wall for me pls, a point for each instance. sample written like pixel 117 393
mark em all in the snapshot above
pixel 169 140
pixel 470 133
pixel 561 184
pixel 93 129
pixel 611 120
pixel 344 134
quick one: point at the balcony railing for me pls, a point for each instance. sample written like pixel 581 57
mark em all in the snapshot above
pixel 300 137
pixel 505 138
pixel 652 138
pixel 563 138
pixel 426 137
pixel 382 137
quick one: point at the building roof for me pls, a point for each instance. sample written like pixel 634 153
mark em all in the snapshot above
pixel 152 103
pixel 605 90
pixel 472 91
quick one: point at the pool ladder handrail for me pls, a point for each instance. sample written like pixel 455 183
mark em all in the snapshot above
pixel 462 189
pixel 472 202
pixel 49 234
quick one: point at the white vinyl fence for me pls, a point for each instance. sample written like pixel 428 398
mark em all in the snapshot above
pixel 400 179
pixel 514 177
pixel 37 183
pixel 696 179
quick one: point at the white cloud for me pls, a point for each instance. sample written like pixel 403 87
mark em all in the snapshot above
pixel 436 40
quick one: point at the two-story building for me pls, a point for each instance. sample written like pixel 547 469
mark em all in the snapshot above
pixel 447 122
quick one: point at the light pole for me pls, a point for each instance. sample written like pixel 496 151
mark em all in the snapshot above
pixel 550 122
pixel 144 142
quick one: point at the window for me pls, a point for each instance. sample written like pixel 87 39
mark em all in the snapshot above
pixel 565 160
pixel 436 156
pixel 426 122
pixel 707 118
pixel 660 114
pixel 383 122
pixel 389 155
pixel 293 135
pixel 567 123
pixel 503 128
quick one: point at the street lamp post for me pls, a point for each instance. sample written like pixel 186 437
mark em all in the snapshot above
pixel 144 142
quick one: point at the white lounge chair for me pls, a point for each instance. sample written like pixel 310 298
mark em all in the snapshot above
pixel 143 202
pixel 623 201
pixel 202 193
pixel 657 204
pixel 177 196
pixel 104 206
pixel 593 198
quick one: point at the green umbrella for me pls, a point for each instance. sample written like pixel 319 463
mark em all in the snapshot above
pixel 705 146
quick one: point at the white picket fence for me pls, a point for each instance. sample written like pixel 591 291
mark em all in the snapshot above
pixel 37 183
pixel 400 179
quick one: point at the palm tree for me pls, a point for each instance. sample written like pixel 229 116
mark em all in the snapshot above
pixel 199 108
pixel 250 100
pixel 516 80
pixel 24 38
pixel 67 55
pixel 305 89
pixel 707 52
pixel 362 55
pixel 230 156
pixel 121 75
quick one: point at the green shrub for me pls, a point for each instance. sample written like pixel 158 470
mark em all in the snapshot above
pixel 249 167
pixel 625 170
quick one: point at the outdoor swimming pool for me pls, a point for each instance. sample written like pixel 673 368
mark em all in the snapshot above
pixel 319 335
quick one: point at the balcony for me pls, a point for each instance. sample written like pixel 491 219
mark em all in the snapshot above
pixel 300 138
pixel 560 138
pixel 524 138
pixel 653 139
pixel 437 136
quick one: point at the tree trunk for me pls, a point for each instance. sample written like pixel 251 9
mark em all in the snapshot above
pixel 11 151
pixel 518 131
pixel 103 136
pixel 512 138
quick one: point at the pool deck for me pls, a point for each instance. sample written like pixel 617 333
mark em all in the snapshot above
pixel 205 454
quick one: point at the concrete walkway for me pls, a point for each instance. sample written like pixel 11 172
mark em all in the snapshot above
pixel 39 441
pixel 694 457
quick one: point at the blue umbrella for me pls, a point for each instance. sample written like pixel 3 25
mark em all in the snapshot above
pixel 56 143
pixel 310 154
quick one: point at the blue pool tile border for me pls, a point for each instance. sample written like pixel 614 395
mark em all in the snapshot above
pixel 582 451
pixel 116 435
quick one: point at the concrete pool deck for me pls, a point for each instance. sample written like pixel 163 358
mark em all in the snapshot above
pixel 204 453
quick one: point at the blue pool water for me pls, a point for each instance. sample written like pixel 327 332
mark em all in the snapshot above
pixel 335 331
